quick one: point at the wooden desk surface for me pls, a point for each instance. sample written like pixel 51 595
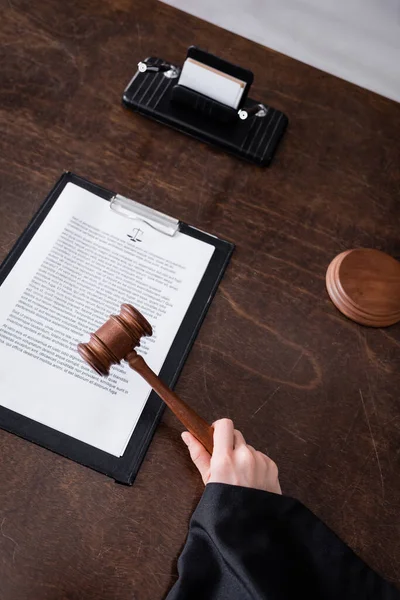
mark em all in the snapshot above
pixel 317 392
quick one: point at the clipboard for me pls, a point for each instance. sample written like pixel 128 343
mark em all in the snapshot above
pixel 122 469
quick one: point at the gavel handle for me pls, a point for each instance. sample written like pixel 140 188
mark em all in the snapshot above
pixel 186 415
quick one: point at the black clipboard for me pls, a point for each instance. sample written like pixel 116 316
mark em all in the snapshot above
pixel 124 468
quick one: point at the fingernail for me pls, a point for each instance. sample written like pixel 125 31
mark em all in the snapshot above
pixel 185 438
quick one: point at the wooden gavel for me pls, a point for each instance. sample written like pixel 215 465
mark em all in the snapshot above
pixel 116 340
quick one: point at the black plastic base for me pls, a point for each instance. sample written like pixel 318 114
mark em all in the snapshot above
pixel 254 139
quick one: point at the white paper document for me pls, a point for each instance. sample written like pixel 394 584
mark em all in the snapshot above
pixel 82 264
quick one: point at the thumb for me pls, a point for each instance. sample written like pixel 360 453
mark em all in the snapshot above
pixel 198 454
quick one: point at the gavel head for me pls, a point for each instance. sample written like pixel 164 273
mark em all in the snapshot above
pixel 114 340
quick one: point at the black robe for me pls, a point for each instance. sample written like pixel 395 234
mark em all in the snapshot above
pixel 248 544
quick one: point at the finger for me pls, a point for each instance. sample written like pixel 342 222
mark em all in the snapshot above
pixel 223 436
pixel 198 454
pixel 265 457
pixel 238 439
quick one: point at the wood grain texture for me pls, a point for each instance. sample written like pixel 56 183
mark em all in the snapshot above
pixel 364 284
pixel 317 392
pixel 116 340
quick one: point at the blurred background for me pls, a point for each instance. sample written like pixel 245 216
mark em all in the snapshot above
pixel 358 40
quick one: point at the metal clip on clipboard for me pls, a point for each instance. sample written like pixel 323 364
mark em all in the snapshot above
pixel 130 209
pixel 251 130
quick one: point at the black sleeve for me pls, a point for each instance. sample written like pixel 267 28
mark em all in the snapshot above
pixel 246 544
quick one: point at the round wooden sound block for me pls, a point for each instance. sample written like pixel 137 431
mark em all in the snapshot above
pixel 364 284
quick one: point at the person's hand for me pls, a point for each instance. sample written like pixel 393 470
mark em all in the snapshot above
pixel 233 461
